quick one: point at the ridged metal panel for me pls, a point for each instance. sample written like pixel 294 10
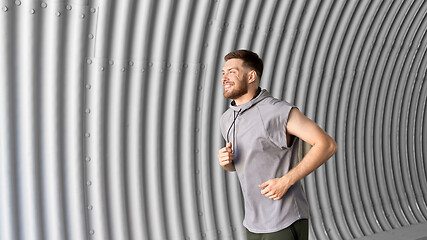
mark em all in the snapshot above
pixel 109 114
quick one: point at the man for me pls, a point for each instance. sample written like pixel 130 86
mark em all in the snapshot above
pixel 261 135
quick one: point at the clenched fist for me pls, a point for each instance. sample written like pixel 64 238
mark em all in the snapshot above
pixel 275 188
pixel 225 157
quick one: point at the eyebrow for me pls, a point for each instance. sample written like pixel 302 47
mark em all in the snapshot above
pixel 228 69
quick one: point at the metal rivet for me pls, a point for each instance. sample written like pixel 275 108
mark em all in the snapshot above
pixel 123 69
pixel 87 134
pixel 111 62
pixel 169 65
pixel 91 36
pixel 91 232
pixel 197 171
pixel 143 70
pixel 198 192
pixel 198 109
pixel 102 68
pixel 197 151
pixel 206 45
pixel 200 87
pixel 32 11
pixel 90 207
pixel 233 229
pixel 150 64
pixel 68 7
pixel 58 14
pixel 197 129
pixel 185 65
pixel 210 22
pixel 5 9
pixel 87 159
pixel 161 70
pixel 87 110
pixel 82 16
pixel 43 4
pixel 89 61
pixel 203 66
pixel 219 232
pixel 130 63
pixel 92 10
pixel 88 86
pixel 18 3
pixel 88 183
pixel 200 214
pixel 204 235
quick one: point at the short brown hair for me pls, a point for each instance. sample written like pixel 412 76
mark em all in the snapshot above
pixel 250 59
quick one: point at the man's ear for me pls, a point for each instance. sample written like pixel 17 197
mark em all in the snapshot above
pixel 252 76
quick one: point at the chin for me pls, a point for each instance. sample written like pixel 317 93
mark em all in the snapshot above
pixel 233 95
pixel 227 95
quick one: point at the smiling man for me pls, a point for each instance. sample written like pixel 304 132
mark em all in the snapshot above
pixel 261 134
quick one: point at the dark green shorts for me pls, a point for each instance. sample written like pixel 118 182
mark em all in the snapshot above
pixel 297 231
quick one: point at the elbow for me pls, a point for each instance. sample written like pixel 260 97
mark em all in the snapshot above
pixel 332 148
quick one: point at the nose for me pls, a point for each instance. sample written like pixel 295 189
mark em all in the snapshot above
pixel 224 77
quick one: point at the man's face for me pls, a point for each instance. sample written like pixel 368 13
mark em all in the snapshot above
pixel 234 79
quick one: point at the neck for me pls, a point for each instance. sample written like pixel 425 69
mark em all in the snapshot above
pixel 246 97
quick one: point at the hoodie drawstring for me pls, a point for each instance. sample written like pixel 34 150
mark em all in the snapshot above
pixel 234 130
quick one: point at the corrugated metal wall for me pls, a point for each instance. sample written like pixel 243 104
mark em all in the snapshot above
pixel 109 114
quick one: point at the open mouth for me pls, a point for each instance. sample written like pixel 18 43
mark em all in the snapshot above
pixel 227 86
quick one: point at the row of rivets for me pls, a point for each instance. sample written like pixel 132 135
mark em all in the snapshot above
pixel 87 135
pixel 44 5
pixel 131 63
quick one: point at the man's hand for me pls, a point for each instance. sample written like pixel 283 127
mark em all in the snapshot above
pixel 225 157
pixel 275 188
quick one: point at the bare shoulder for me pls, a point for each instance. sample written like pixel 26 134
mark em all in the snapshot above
pixel 301 126
pixel 297 120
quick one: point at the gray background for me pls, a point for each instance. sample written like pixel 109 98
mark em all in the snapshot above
pixel 109 114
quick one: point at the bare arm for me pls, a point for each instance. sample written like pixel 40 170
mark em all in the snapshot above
pixel 323 147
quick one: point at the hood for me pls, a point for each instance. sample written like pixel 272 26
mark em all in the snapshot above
pixel 241 108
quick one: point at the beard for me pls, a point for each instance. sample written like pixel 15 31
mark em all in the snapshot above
pixel 237 90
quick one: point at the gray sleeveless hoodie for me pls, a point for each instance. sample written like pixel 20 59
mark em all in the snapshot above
pixel 257 130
